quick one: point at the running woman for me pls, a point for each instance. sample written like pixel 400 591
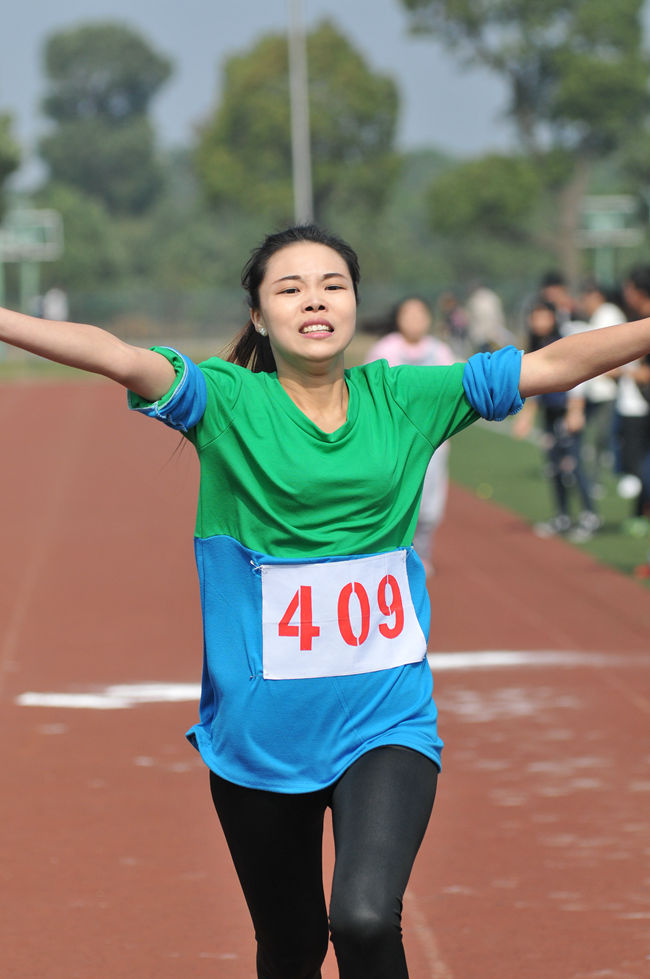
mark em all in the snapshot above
pixel 316 689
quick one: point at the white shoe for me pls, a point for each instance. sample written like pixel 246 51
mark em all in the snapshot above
pixel 629 487
pixel 587 525
pixel 551 528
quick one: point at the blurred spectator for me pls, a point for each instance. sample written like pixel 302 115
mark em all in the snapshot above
pixel 633 409
pixel 553 288
pixel 563 419
pixel 600 392
pixel 455 320
pixel 486 320
pixel 411 342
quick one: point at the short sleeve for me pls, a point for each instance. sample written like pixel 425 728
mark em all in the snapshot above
pixel 182 407
pixel 491 383
pixel 432 398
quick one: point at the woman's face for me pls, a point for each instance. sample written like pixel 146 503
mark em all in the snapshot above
pixel 307 305
pixel 413 320
pixel 541 322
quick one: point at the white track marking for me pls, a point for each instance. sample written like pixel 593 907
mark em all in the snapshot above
pixel 39 544
pixel 427 939
pixel 116 697
pixel 493 659
pixel 123 696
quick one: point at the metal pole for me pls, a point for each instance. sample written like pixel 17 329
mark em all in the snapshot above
pixel 303 204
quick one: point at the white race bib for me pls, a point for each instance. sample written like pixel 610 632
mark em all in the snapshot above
pixel 338 618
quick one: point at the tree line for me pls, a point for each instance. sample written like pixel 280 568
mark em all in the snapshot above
pixel 175 226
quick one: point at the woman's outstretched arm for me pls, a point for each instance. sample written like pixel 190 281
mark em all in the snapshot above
pixel 90 349
pixel 565 363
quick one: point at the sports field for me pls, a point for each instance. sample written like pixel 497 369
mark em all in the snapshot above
pixel 537 861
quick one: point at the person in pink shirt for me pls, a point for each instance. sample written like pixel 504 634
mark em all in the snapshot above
pixel 411 342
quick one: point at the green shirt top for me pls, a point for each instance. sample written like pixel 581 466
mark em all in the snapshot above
pixel 273 480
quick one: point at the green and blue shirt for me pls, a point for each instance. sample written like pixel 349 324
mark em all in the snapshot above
pixel 278 496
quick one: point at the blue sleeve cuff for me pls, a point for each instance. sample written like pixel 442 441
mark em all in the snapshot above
pixel 491 383
pixel 184 404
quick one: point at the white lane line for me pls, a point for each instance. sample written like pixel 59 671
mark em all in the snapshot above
pixel 123 696
pixel 40 543
pixel 493 659
pixel 437 968
pixel 117 697
pixel 634 696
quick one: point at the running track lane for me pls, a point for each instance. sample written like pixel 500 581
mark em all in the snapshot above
pixel 536 861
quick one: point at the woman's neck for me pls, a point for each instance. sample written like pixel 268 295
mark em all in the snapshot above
pixel 321 395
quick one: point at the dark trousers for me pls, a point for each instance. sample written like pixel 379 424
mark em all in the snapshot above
pixel 380 809
pixel 634 435
pixel 564 461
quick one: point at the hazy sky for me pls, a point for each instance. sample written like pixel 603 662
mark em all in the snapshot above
pixel 442 104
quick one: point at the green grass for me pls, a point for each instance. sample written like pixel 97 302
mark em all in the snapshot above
pixel 487 460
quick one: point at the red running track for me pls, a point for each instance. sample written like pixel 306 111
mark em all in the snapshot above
pixel 536 864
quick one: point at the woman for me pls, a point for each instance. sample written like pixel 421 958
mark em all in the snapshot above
pixel 316 689
pixel 410 342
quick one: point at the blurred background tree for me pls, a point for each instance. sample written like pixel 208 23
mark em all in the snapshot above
pixel 244 152
pixel 577 76
pixel 9 155
pixel 93 253
pixel 159 235
pixel 102 78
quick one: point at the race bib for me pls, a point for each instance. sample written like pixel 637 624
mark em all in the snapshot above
pixel 338 618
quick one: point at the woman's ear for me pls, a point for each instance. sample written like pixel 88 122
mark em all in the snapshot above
pixel 256 320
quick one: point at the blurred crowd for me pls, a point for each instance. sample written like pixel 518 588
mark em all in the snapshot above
pixel 593 437
pixel 600 427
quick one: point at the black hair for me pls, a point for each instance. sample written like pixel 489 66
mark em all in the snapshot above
pixel 639 276
pixel 535 342
pixel 610 294
pixel 552 278
pixel 249 348
pixel 387 323
pixel 592 285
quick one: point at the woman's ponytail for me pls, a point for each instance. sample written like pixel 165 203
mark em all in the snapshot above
pixel 250 349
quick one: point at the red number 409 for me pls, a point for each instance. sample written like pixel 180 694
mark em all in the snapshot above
pixel 305 629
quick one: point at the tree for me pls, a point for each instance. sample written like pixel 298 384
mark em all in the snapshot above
pixel 9 152
pixel 93 255
pixel 577 76
pixel 103 78
pixel 244 151
pixel 504 190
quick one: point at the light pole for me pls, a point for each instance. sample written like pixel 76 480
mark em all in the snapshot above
pixel 303 204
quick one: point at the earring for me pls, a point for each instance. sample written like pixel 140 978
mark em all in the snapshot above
pixel 262 331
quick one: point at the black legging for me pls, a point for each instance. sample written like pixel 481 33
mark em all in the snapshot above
pixel 380 809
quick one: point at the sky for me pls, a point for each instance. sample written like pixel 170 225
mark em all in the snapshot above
pixel 442 104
